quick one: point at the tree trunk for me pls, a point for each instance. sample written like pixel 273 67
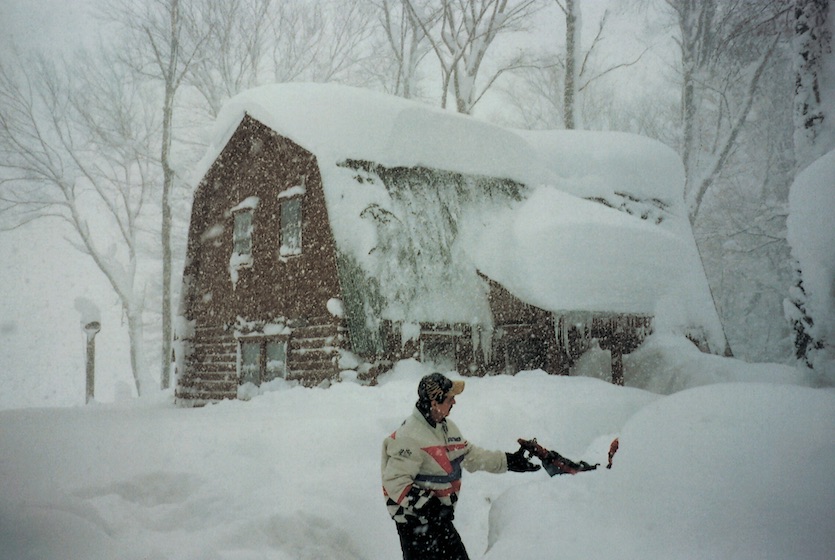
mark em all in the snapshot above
pixel 811 42
pixel 689 65
pixel 167 184
pixel 136 332
pixel 167 334
pixel 571 51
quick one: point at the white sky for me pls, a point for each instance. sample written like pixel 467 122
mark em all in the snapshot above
pixel 47 24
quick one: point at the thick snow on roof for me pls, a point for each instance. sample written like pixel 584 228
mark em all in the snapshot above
pixel 340 122
pixel 629 250
pixel 577 255
pixel 594 164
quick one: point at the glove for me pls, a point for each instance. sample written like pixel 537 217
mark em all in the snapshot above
pixel 517 462
pixel 428 506
pixel 435 510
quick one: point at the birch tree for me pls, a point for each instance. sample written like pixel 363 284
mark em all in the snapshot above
pixel 75 146
pixel 571 11
pixel 167 37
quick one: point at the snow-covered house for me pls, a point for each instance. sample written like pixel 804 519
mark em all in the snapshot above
pixel 335 228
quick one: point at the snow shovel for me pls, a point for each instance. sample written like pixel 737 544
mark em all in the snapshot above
pixel 555 464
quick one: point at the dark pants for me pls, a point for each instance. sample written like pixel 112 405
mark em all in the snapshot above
pixel 435 541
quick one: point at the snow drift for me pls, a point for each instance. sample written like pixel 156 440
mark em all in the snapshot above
pixel 729 470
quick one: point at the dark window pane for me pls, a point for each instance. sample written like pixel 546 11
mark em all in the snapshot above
pixel 251 362
pixel 291 227
pixel 276 365
pixel 242 236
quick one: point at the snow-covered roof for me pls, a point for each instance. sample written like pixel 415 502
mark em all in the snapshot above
pixel 339 122
pixel 600 225
pixel 594 164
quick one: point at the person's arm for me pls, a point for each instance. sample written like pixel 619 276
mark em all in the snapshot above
pixel 478 459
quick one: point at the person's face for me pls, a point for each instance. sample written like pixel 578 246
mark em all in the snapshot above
pixel 441 410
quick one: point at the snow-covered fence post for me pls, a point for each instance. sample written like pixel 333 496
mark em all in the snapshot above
pixel 91 324
pixel 91 329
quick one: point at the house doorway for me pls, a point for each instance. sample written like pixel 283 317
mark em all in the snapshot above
pixel 524 349
pixel 439 349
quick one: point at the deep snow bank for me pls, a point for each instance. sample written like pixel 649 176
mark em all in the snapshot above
pixel 666 364
pixel 726 471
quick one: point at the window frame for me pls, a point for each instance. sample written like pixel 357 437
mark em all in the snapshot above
pixel 261 372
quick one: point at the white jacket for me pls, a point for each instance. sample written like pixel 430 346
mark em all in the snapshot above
pixel 429 458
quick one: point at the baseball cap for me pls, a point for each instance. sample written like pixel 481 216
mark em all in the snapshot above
pixel 436 387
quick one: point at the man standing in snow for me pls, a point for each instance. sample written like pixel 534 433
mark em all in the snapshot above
pixel 421 471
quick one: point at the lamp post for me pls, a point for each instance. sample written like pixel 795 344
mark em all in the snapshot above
pixel 91 329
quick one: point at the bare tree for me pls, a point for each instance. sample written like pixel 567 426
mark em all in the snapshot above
pixel 742 225
pixel 553 91
pixel 234 54
pixel 321 41
pixel 166 39
pixel 725 49
pixel 247 43
pixel 405 41
pixel 578 74
pixel 75 144
pixel 461 32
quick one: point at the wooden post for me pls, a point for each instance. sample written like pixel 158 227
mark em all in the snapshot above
pixel 91 329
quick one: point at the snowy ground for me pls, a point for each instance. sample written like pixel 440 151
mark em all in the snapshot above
pixel 725 470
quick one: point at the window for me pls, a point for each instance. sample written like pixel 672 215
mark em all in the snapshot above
pixel 290 237
pixel 242 233
pixel 262 361
pixel 250 363
pixel 275 364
